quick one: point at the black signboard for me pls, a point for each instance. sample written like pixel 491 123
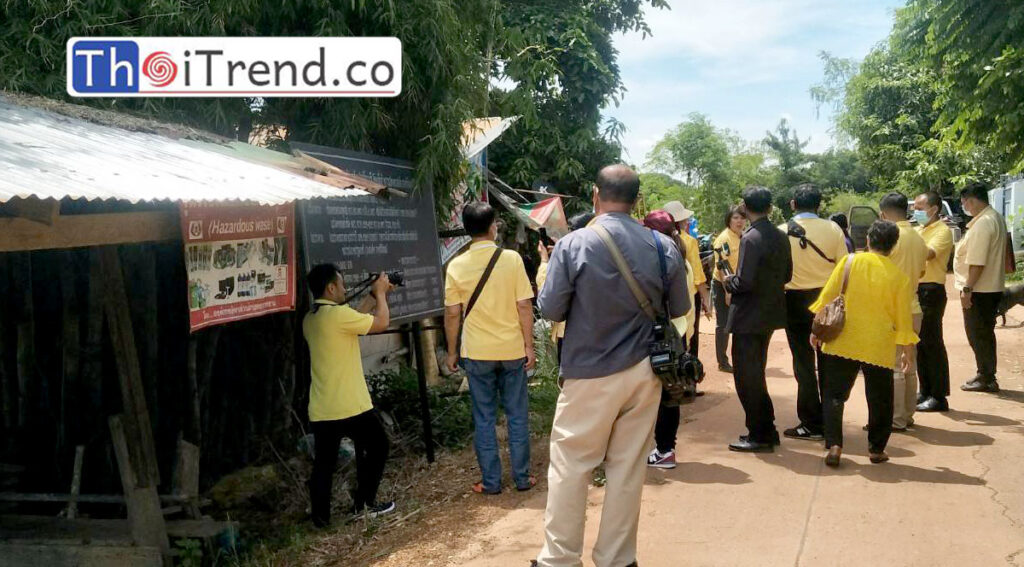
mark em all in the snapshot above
pixel 368 234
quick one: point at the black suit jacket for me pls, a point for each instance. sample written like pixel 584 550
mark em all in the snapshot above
pixel 758 289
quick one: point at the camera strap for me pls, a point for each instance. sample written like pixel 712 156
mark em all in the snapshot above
pixel 624 269
pixel 794 230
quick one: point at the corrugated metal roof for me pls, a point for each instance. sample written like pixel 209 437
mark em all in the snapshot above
pixel 48 155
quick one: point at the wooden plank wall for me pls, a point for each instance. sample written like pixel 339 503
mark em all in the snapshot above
pixel 230 390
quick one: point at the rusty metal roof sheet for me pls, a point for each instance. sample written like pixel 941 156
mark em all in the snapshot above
pixel 46 154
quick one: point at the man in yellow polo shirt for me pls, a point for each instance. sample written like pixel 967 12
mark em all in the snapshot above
pixel 909 255
pixel 496 316
pixel 339 401
pixel 979 274
pixel 816 244
pixel 932 360
pixel 702 298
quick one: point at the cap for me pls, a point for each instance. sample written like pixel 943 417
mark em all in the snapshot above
pixel 678 211
pixel 660 221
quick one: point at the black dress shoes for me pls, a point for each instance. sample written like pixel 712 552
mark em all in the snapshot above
pixel 977 385
pixel 745 445
pixel 933 404
pixel 776 440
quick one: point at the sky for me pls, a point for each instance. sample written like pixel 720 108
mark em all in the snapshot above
pixel 744 63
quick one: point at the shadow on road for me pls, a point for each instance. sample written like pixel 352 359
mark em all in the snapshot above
pixel 1011 395
pixel 945 437
pixel 974 418
pixel 707 473
pixel 891 472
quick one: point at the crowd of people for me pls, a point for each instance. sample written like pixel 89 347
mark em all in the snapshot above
pixel 603 286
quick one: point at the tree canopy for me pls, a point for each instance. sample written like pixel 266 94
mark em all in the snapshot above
pixel 975 48
pixel 558 56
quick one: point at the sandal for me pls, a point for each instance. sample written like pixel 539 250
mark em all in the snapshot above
pixel 479 489
pixel 532 481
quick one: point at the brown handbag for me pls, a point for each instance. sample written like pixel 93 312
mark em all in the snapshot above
pixel 828 322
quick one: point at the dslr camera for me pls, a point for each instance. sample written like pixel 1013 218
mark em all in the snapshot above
pixel 396 278
pixel 678 370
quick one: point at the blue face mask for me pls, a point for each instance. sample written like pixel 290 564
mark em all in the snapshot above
pixel 921 217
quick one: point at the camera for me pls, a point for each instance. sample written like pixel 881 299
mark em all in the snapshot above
pixel 396 278
pixel 678 370
pixel 723 259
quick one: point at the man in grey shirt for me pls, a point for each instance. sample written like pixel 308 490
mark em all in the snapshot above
pixel 609 400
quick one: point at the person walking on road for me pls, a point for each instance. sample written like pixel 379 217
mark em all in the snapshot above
pixel 726 246
pixel 488 294
pixel 910 255
pixel 979 274
pixel 877 321
pixel 609 400
pixel 932 360
pixel 757 309
pixel 815 244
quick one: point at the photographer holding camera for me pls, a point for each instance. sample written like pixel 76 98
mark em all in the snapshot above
pixel 609 400
pixel 339 401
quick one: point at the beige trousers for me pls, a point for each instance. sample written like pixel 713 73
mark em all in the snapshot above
pixel 904 386
pixel 609 420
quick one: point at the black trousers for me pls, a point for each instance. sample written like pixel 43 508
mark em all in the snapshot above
pixel 666 427
pixel 695 339
pixel 371 444
pixel 932 360
pixel 980 323
pixel 805 367
pixel 750 356
pixel 839 375
pixel 721 319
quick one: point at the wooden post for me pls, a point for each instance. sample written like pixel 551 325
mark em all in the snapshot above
pixel 136 416
pixel 144 514
pixel 140 284
pixel 76 482
pixel 22 272
pixel 8 383
pixel 428 432
pixel 70 346
pixel 429 345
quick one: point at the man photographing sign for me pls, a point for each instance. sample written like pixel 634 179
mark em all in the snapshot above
pixel 339 401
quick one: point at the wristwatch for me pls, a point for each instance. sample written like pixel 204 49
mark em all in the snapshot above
pixel 966 289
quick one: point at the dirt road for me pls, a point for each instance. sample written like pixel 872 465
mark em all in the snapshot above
pixel 953 493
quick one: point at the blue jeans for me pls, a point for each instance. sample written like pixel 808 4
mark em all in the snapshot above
pixel 489 379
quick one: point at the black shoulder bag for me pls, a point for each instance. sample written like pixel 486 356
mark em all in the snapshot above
pixel 794 230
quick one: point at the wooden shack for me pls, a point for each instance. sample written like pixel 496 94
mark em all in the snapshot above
pixel 106 397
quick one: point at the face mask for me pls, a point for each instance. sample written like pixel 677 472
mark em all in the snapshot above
pixel 921 217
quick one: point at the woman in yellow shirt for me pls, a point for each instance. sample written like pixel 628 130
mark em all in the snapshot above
pixel 877 322
pixel 734 224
